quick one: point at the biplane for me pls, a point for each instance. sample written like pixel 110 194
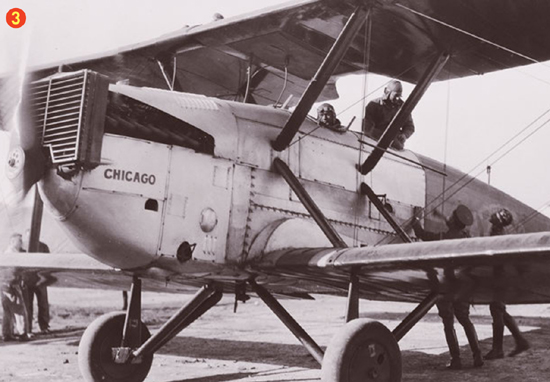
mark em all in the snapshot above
pixel 177 165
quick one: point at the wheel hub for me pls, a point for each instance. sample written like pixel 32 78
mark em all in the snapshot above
pixel 370 363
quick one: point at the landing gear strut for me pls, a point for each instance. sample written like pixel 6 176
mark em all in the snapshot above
pixel 117 347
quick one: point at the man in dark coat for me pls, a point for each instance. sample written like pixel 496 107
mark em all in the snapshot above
pixel 449 306
pixel 380 112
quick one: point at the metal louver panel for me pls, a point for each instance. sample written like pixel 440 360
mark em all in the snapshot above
pixel 58 104
pixel 69 115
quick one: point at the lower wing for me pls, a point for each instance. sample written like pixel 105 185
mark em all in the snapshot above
pixel 513 268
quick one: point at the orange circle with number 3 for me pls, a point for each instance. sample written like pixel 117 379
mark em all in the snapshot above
pixel 16 18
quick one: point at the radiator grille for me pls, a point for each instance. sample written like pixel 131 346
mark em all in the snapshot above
pixel 58 104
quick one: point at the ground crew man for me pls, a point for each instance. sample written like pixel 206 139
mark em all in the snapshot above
pixel 499 220
pixel 36 286
pixel 449 306
pixel 15 317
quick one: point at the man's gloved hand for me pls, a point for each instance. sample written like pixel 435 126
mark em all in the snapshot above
pixel 399 142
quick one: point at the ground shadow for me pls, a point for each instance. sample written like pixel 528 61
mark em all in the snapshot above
pixel 245 351
pixel 54 336
pixel 529 366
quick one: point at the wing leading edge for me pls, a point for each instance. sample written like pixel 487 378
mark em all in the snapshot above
pixel 515 268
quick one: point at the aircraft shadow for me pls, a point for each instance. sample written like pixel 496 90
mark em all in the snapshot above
pixel 218 378
pixel 54 336
pixel 244 351
pixel 430 317
pixel 275 376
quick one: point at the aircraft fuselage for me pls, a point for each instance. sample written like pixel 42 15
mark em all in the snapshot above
pixel 148 200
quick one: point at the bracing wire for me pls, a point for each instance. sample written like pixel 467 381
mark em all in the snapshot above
pixel 455 191
pixel 398 75
pixel 366 62
pixel 468 33
pixel 446 143
pixel 487 158
pixel 492 163
pixel 532 215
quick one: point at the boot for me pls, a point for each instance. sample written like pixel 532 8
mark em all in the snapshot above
pixel 474 344
pixel 521 343
pixel 496 352
pixel 521 346
pixel 454 364
pixel 454 349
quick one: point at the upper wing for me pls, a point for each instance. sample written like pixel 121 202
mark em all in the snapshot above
pixel 514 268
pixel 272 54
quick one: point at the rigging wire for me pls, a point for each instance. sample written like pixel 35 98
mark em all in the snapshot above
pixel 446 141
pixel 398 75
pixel 492 163
pixel 532 215
pixel 469 34
pixel 487 158
pixel 305 135
pixel 472 177
pixel 366 65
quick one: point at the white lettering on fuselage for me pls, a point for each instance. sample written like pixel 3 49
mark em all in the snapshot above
pixel 129 176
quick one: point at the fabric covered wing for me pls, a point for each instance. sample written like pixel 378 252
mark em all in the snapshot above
pixel 82 271
pixel 272 54
pixel 514 268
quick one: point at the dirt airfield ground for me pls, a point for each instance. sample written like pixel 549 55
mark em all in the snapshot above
pixel 253 346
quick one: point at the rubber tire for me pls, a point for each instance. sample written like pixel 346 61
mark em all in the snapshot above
pixel 94 352
pixel 362 350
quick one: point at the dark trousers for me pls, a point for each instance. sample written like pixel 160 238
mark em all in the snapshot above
pixel 41 293
pixel 449 309
pixel 502 318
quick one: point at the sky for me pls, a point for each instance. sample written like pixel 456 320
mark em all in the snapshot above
pixel 460 122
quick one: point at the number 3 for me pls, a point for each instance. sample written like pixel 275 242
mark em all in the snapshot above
pixel 16 14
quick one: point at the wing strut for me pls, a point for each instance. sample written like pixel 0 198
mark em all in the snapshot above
pixel 397 122
pixel 309 204
pixel 352 310
pixel 320 79
pixel 366 190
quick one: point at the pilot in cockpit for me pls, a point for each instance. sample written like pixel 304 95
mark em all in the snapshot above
pixel 380 112
pixel 326 117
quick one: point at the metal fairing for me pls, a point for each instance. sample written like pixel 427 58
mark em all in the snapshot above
pixel 106 214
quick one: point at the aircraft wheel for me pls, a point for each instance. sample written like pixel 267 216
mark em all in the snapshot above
pixel 95 355
pixel 362 350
